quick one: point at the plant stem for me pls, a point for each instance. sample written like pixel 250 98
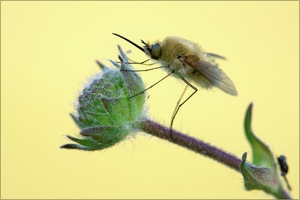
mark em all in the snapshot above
pixel 191 143
pixel 231 161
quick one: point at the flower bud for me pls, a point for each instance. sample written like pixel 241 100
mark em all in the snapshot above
pixel 106 113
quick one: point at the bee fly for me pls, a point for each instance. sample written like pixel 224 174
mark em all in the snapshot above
pixel 186 60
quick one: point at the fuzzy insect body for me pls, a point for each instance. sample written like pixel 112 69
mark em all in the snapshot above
pixel 187 60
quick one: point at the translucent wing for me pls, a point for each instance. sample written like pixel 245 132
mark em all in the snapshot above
pixel 216 56
pixel 214 74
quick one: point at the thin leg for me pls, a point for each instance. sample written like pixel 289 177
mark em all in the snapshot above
pixel 153 84
pixel 142 70
pixel 178 107
pixel 179 100
pixel 287 183
pixel 140 63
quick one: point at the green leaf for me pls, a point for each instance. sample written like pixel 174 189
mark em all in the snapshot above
pixel 262 156
pixel 262 174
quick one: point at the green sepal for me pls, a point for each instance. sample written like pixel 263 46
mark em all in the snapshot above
pixel 262 155
pixel 88 144
pixel 262 174
pixel 97 138
pixel 107 135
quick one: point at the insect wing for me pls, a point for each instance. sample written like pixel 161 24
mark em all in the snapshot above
pixel 216 56
pixel 214 74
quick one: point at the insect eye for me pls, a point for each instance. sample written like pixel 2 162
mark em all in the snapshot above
pixel 155 51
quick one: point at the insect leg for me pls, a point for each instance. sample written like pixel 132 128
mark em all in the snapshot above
pixel 179 100
pixel 142 63
pixel 132 62
pixel 153 84
pixel 142 70
pixel 287 183
pixel 178 107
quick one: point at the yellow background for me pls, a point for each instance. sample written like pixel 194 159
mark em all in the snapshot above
pixel 48 51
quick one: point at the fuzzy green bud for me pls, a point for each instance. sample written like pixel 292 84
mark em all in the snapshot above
pixel 107 110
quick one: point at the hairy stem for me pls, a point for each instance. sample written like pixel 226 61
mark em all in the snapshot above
pixel 196 145
pixel 191 143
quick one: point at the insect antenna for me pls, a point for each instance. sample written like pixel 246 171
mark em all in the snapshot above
pixel 146 45
pixel 134 44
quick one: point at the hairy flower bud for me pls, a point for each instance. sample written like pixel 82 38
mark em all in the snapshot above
pixel 106 113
